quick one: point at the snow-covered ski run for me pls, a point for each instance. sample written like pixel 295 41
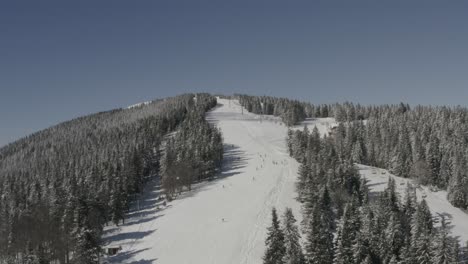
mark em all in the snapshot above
pixel 225 220
pixel 220 221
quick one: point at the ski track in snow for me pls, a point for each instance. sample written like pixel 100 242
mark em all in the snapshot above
pixel 257 174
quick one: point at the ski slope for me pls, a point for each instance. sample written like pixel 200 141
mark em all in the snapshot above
pixel 139 105
pixel 323 124
pixel 437 201
pixel 222 221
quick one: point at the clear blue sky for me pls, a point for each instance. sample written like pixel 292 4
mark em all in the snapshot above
pixel 64 59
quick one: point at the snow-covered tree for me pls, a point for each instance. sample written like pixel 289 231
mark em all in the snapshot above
pixel 443 246
pixel 293 254
pixel 347 233
pixel 275 242
pixel 421 230
pixel 319 238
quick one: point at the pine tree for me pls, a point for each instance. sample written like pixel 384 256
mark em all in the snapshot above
pixel 406 255
pixel 433 159
pixel 289 141
pixel 457 194
pixel 390 198
pixel 349 226
pixel 304 176
pixel 294 253
pixel 361 248
pixel 394 236
pixel 319 244
pixel 357 153
pixel 275 243
pixel 403 154
pixel 443 245
pixel 457 253
pixel 421 230
pixel 445 173
pixel 326 209
pixel 409 205
pixel 423 249
pixel 87 247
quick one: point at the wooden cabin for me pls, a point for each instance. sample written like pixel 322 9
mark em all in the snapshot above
pixel 111 251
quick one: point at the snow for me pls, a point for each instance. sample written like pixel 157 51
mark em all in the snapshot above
pixel 225 220
pixel 437 201
pixel 138 105
pixel 219 221
pixel 324 125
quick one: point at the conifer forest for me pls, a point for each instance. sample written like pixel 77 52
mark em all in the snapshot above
pixel 63 188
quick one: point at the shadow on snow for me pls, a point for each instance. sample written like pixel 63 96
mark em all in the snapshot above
pixel 148 206
pixel 234 160
pixel 126 256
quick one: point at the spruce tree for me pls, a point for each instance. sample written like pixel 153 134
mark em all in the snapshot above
pixel 349 226
pixel 394 237
pixel 319 238
pixel 423 250
pixel 409 205
pixel 275 243
pixel 87 247
pixel 443 247
pixel 457 194
pixel 294 254
pixel 433 159
pixel 361 248
pixel 421 230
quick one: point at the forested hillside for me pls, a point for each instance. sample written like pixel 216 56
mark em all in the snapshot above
pixel 193 154
pixel 342 224
pixel 58 187
pixel 294 111
pixel 427 143
pixel 383 229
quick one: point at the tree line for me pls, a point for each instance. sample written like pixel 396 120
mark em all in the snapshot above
pixel 426 143
pixel 194 153
pixel 344 223
pixel 60 186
